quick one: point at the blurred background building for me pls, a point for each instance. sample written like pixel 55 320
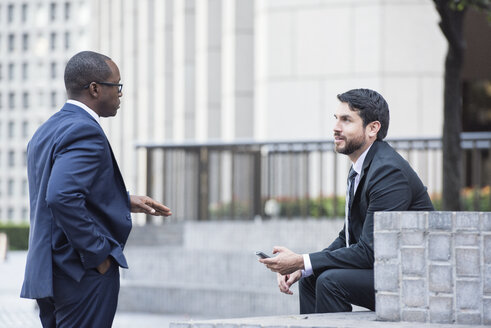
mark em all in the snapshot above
pixel 36 40
pixel 208 71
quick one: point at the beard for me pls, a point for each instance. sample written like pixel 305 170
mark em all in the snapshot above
pixel 351 145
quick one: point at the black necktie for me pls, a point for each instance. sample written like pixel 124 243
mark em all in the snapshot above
pixel 351 181
pixel 350 194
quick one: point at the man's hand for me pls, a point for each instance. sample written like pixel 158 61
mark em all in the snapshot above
pixel 285 282
pixel 104 266
pixel 286 262
pixel 145 204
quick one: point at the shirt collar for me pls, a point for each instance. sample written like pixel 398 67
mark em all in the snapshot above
pixel 358 165
pixel 86 108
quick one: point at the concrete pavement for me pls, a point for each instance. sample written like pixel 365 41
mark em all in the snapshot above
pixel 16 312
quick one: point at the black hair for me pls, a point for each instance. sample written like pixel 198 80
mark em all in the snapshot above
pixel 84 68
pixel 370 105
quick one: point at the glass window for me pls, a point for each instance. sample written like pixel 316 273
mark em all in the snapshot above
pixel 24 12
pixel 11 129
pixel 11 158
pixel 11 45
pixel 40 100
pixel 25 100
pixel 1 71
pixel 11 100
pixel 25 42
pixel 68 10
pixel 67 40
pixel 53 70
pixel 25 214
pixel 52 11
pixel 10 214
pixel 24 158
pixel 25 71
pixel 52 41
pixel 24 187
pixel 53 99
pixel 25 129
pixel 11 71
pixel 1 100
pixel 10 13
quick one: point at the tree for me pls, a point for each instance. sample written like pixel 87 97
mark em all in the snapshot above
pixel 452 13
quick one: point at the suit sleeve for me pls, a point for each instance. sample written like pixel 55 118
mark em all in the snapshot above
pixel 388 190
pixel 77 160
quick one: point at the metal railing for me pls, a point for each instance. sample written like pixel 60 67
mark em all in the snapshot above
pixel 241 180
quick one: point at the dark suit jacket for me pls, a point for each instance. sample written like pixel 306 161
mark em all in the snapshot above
pixel 387 183
pixel 79 206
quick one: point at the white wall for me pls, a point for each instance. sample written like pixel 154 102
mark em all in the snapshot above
pixel 310 51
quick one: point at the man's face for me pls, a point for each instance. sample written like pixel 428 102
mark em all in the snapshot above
pixel 109 101
pixel 349 133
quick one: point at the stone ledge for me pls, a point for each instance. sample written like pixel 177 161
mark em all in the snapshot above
pixel 364 319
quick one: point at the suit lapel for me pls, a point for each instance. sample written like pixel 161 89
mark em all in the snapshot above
pixel 117 172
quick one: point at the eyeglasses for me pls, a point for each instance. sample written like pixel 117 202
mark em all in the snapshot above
pixel 119 85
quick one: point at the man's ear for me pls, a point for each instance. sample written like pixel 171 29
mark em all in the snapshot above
pixel 94 90
pixel 373 128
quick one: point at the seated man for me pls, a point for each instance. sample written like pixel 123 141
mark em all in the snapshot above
pixel 379 180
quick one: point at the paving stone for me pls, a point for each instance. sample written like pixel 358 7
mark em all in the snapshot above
pixel 466 221
pixel 386 245
pixel 467 294
pixel 413 260
pixel 440 278
pixel 467 262
pixel 413 292
pixel 440 221
pixel 412 238
pixel 414 315
pixel 485 221
pixel 387 221
pixel 387 277
pixel 439 246
pixel 469 318
pixel 466 239
pixel 387 306
pixel 413 220
pixel 441 309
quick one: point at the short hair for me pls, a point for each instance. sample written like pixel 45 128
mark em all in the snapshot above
pixel 84 68
pixel 370 105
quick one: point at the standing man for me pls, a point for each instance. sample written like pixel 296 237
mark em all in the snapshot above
pixel 379 180
pixel 80 210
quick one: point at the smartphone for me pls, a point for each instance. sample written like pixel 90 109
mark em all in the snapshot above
pixel 262 255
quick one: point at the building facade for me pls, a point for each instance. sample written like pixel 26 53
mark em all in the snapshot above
pixel 36 39
pixel 265 70
pixel 217 70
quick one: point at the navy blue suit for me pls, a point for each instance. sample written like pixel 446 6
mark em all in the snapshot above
pixel 80 210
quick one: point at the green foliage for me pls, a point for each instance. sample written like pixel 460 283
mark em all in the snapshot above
pixel 472 199
pixel 315 208
pixel 481 5
pixel 224 210
pixel 17 234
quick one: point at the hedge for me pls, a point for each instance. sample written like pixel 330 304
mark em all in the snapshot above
pixel 17 234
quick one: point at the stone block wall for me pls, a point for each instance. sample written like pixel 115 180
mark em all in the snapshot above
pixel 433 267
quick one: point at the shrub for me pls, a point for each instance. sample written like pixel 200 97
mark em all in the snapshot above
pixel 17 234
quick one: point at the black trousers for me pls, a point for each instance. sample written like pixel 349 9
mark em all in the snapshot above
pixel 89 303
pixel 335 290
